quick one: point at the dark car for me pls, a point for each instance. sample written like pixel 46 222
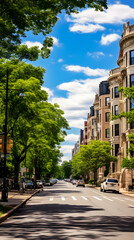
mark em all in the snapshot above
pixel 28 184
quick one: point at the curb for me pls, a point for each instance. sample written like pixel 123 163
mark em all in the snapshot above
pixel 9 213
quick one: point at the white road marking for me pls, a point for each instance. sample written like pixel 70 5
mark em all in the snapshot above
pixel 108 199
pixel 128 199
pixel 62 198
pixel 84 198
pixel 51 199
pixel 97 198
pixel 131 206
pixel 74 198
pixel 118 199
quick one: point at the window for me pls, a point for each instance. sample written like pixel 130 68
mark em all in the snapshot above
pixel 131 80
pixel 100 117
pixel 131 57
pixel 107 133
pixel 107 117
pixel 131 103
pixel 126 82
pixel 97 113
pixel 126 59
pixel 112 110
pixel 112 150
pixel 116 110
pixel 116 93
pixel 116 129
pixel 106 101
pixel 112 93
pixel 132 125
pixel 113 167
pixel 92 121
pixel 126 105
pixel 116 149
pixel 112 130
pixel 92 132
pixel 98 126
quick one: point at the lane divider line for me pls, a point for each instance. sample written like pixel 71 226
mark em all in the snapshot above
pixel 62 198
pixel 84 198
pixel 97 198
pixel 74 198
pixel 108 199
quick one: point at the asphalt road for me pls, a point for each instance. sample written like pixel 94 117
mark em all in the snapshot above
pixel 67 212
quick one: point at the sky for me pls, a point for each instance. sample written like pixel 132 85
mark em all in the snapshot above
pixel 85 49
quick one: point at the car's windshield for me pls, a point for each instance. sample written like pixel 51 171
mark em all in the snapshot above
pixel 112 180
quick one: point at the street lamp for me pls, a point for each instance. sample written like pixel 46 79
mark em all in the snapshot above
pixel 4 195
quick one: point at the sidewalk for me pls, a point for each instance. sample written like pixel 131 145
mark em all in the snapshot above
pixel 16 200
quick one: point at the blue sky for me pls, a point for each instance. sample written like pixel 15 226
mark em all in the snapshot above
pixel 86 47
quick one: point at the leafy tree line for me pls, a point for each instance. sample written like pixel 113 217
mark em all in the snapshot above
pixel 91 157
pixel 36 126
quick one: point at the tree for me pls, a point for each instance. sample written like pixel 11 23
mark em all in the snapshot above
pixel 33 123
pixel 91 157
pixel 67 169
pixel 18 17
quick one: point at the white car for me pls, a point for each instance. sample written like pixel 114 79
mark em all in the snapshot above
pixel 110 184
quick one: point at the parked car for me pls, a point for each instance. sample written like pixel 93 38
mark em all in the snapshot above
pixel 48 182
pixel 28 184
pixel 53 181
pixel 80 182
pixel 110 184
pixel 74 181
pixel 39 183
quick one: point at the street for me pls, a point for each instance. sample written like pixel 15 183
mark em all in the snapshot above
pixel 67 212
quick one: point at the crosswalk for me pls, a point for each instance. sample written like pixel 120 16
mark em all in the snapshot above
pixel 100 198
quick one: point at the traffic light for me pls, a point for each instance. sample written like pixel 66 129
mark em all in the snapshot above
pixel 9 145
pixel 1 145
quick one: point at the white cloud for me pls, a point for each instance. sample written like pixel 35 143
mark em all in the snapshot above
pixel 95 54
pixel 60 60
pixel 115 14
pixel 33 44
pixel 106 40
pixel 87 71
pixel 40 45
pixel 66 148
pixel 50 92
pixel 55 41
pixel 86 28
pixel 80 96
pixel 72 137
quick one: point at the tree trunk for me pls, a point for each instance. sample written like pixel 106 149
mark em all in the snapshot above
pixel 16 175
pixel 95 177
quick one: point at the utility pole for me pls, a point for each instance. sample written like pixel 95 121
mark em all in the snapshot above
pixel 4 197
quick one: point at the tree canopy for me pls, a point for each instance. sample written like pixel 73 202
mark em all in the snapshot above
pixel 91 157
pixel 38 16
pixel 36 126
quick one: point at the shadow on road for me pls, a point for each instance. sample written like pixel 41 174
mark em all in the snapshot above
pixel 63 222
